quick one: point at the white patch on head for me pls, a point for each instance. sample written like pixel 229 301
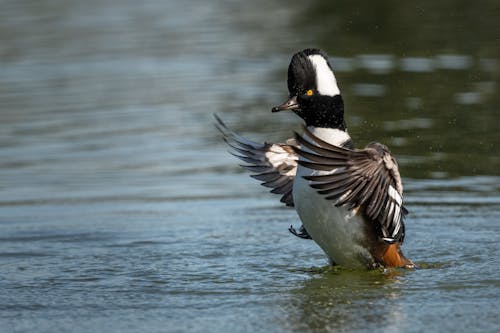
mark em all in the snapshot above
pixel 325 79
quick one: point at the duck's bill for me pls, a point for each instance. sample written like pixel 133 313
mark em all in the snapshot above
pixel 290 104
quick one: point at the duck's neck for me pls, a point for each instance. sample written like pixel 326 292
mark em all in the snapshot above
pixel 323 111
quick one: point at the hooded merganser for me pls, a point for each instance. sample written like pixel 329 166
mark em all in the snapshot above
pixel 349 200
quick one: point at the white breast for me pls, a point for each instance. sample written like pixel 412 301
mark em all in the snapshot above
pixel 336 230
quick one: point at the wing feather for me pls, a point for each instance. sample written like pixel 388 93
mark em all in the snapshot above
pixel 274 164
pixel 367 178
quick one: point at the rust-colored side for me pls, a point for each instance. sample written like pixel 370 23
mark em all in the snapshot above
pixel 393 257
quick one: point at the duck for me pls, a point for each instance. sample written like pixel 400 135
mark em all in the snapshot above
pixel 349 200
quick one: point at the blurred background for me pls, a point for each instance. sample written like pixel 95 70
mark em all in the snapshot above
pixel 120 208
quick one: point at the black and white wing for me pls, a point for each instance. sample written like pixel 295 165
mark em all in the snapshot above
pixel 275 164
pixel 366 179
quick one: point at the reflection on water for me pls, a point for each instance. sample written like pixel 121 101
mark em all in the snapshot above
pixel 331 302
pixel 120 208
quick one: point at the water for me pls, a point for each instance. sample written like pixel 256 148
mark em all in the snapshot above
pixel 121 211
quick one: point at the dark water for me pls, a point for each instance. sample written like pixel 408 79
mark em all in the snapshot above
pixel 121 211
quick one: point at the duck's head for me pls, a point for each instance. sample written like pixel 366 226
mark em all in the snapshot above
pixel 313 91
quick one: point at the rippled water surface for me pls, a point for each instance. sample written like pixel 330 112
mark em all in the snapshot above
pixel 121 211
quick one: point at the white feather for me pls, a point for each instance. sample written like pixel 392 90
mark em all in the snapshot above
pixel 398 226
pixel 330 135
pixel 395 195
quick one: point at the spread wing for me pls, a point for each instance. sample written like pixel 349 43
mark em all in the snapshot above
pixel 366 179
pixel 274 164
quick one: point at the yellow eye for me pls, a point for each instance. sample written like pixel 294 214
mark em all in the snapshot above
pixel 309 92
